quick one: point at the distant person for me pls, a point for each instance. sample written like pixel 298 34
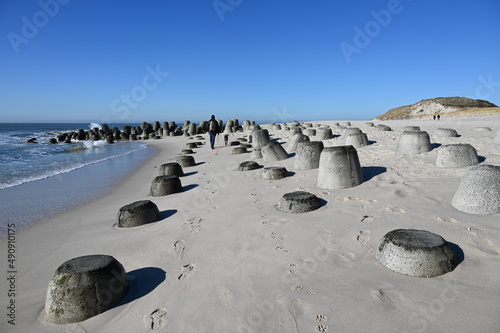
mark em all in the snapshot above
pixel 434 117
pixel 213 130
pixel 439 117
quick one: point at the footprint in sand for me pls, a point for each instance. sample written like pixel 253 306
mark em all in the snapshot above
pixel 180 249
pixel 156 319
pixel 321 318
pixel 397 210
pixel 446 219
pixel 186 270
pixel 388 299
pixel 322 328
pixel 363 237
pixel 367 218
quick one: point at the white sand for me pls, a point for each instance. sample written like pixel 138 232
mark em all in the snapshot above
pixel 234 263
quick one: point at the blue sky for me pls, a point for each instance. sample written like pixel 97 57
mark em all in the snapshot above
pixel 171 60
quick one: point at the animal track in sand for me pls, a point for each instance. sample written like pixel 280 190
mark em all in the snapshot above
pixel 279 248
pixel 186 270
pixel 157 319
pixel 445 219
pixel 344 260
pixel 320 318
pixel 272 235
pixel 401 193
pixel 322 328
pixel 363 237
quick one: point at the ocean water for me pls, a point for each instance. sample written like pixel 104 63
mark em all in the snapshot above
pixel 22 162
pixel 40 180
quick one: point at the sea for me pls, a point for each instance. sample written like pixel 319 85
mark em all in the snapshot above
pixel 40 180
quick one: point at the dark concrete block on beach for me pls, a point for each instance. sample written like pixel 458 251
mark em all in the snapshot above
pixel 456 156
pixel 165 185
pixel 84 287
pixel 171 169
pixel 137 213
pixel 339 167
pixel 296 139
pixel 239 150
pixel 298 202
pixel 273 173
pixel 413 143
pixel 248 165
pixel 307 155
pixel 446 133
pixel 186 160
pixel 416 253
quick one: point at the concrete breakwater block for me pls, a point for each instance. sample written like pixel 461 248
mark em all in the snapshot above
pixel 239 150
pixel 382 128
pixel 413 143
pixel 446 133
pixel 310 132
pixel 298 202
pixel 307 155
pixel 356 140
pixel 323 133
pixel 352 130
pixel 299 137
pixel 187 151
pixel 273 152
pixel 191 145
pixel 248 165
pixel 479 191
pixel 137 213
pixel 186 160
pixel 339 167
pixel 273 173
pixel 260 138
pixel 456 156
pixel 84 287
pixel 411 128
pixel 171 169
pixel 416 253
pixel 165 185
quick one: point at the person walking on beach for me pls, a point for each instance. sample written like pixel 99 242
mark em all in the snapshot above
pixel 213 130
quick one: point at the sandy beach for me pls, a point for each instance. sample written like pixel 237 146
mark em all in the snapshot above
pixel 223 259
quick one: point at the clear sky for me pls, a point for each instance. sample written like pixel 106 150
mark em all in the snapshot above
pixel 171 60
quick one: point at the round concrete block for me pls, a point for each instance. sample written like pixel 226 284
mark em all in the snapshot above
pixel 187 151
pixel 273 152
pixel 234 143
pixel 273 173
pixel 246 145
pixel 382 128
pixel 352 130
pixel 171 169
pixel 256 153
pixel 356 140
pixel 456 156
pixel 294 131
pixel 486 129
pixel 307 155
pixel 298 202
pixel 369 124
pixel 323 133
pixel 414 142
pixel 479 191
pixel 185 160
pixel 191 145
pixel 165 185
pixel 446 133
pixel 299 137
pixel 416 253
pixel 239 150
pixel 84 287
pixel 339 167
pixel 242 139
pixel 345 123
pixel 137 213
pixel 248 165
pixel 260 138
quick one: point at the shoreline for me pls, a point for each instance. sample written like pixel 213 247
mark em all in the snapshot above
pixel 222 258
